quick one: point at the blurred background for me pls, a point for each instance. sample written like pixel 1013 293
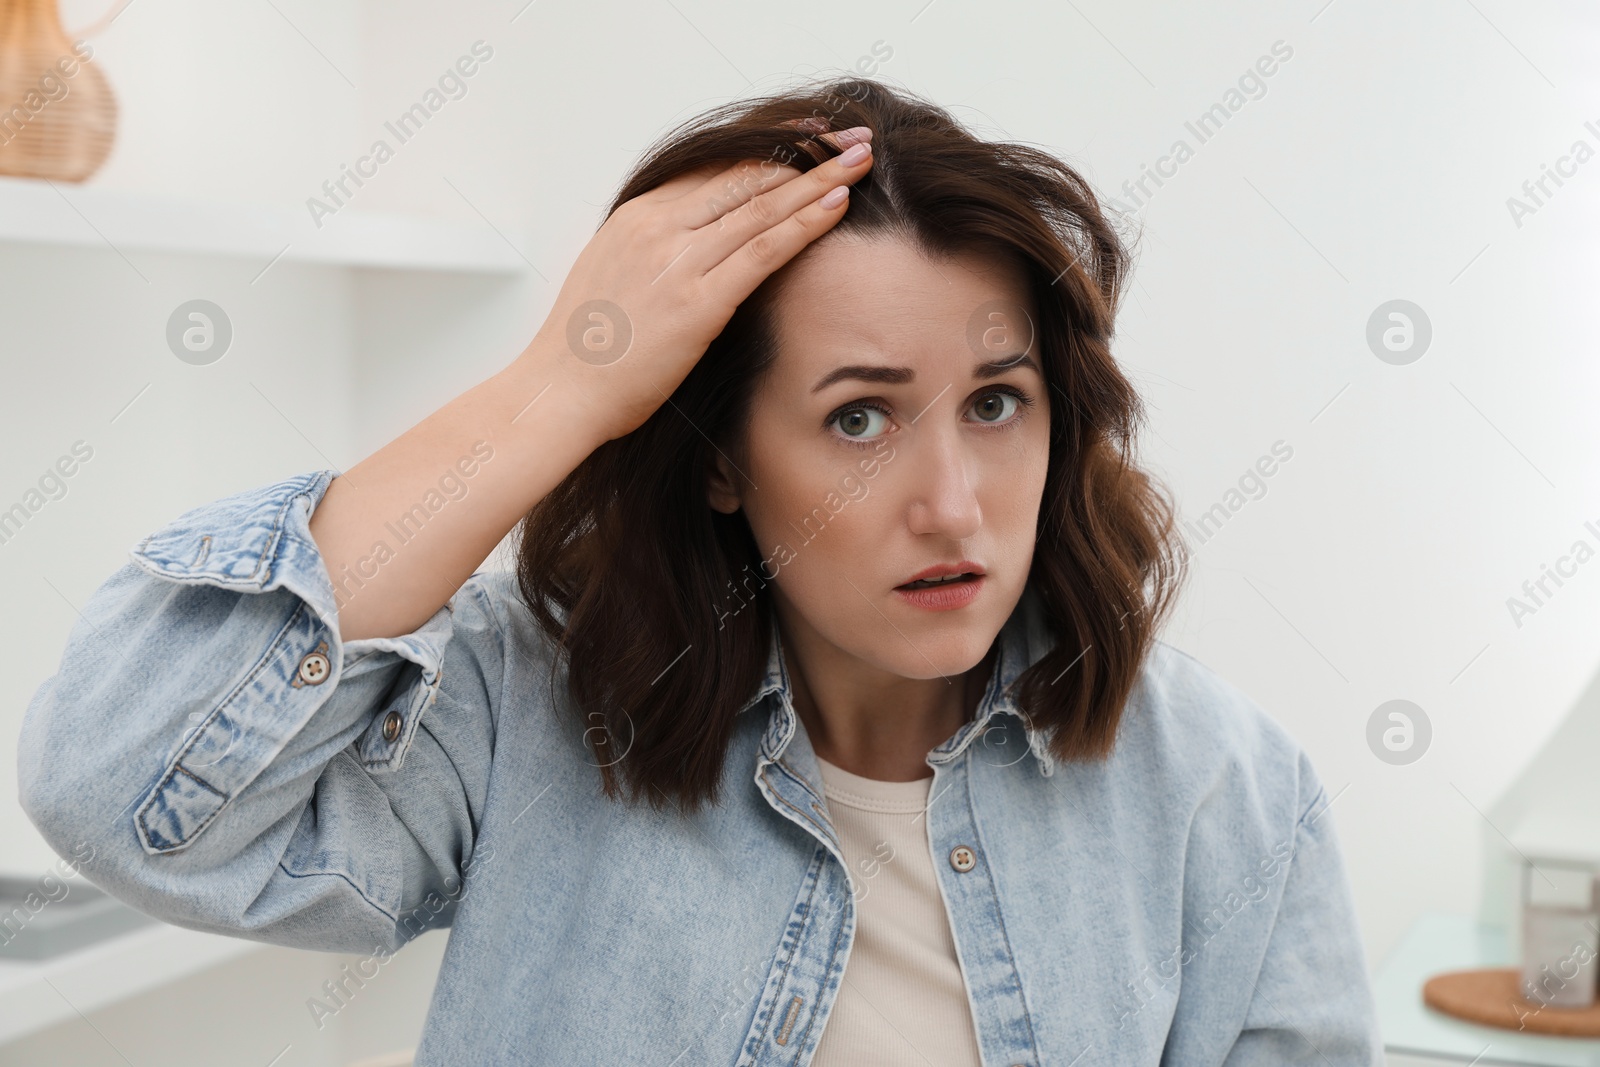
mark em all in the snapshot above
pixel 1370 268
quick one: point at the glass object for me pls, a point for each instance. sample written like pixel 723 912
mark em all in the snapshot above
pixel 1560 925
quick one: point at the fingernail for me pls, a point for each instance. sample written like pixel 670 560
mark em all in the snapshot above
pixel 855 154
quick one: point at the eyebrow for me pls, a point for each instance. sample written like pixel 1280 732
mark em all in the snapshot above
pixel 902 375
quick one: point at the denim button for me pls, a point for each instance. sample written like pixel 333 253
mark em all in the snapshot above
pixel 963 858
pixel 391 725
pixel 314 668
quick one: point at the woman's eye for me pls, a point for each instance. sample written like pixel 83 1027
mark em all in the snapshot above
pixel 866 421
pixel 992 407
pixel 858 422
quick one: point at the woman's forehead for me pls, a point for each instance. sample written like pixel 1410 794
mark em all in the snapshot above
pixel 884 298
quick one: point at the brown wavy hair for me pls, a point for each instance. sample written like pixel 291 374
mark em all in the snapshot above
pixel 636 562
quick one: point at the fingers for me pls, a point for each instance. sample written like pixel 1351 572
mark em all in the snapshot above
pixel 729 191
pixel 846 138
pixel 770 229
pixel 765 250
pixel 818 125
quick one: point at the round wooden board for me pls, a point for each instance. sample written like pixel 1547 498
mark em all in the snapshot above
pixel 1493 996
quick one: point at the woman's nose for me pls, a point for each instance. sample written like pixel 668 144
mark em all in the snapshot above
pixel 944 491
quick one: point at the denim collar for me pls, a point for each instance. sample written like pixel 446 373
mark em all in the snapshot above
pixel 1023 640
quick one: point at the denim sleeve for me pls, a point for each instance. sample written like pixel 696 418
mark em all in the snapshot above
pixel 1312 1003
pixel 236 766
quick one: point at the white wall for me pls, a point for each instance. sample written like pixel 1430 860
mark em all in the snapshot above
pixel 1376 166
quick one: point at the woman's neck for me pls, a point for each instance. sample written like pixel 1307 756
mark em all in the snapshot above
pixel 879 725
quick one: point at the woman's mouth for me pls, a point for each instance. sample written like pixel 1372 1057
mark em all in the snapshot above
pixel 928 583
pixel 942 594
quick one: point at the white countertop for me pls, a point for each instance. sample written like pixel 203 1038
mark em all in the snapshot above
pixel 1438 942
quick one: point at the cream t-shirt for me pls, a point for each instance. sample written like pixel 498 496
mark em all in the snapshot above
pixel 903 1001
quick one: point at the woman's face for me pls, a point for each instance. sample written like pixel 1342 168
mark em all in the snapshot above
pixel 852 487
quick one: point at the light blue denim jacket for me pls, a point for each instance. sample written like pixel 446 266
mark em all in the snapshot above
pixel 240 768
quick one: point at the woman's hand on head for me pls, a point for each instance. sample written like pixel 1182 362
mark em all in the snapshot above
pixel 661 278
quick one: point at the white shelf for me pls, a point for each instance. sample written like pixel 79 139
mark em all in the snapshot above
pixel 37 994
pixel 85 216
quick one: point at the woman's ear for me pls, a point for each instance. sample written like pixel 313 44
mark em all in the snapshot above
pixel 722 485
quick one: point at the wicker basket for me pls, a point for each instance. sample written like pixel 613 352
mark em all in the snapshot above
pixel 52 124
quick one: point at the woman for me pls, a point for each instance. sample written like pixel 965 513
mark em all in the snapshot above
pixel 823 720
